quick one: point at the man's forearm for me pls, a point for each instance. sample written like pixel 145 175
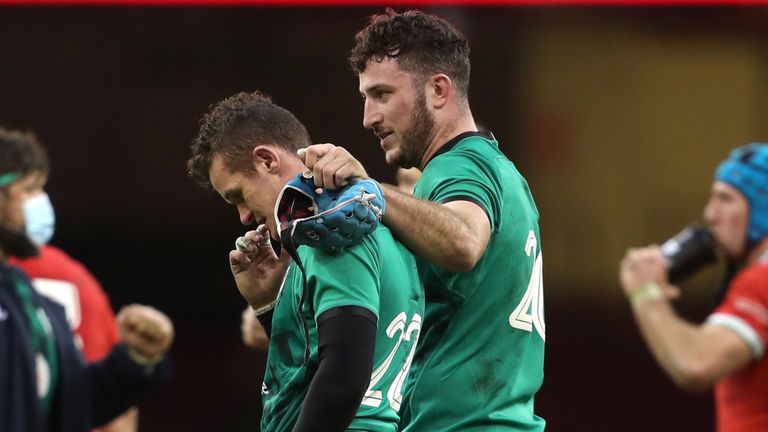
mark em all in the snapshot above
pixel 117 382
pixel 675 343
pixel 431 230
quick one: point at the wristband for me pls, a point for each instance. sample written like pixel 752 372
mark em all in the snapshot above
pixel 140 359
pixel 645 292
pixel 261 310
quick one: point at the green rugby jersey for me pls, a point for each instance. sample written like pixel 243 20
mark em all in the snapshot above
pixel 481 354
pixel 378 274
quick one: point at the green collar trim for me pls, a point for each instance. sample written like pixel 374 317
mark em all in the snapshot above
pixel 9 178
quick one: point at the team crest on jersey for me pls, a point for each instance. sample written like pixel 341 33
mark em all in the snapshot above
pixel 264 389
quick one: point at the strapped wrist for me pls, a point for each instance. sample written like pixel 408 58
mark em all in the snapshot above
pixel 140 359
pixel 645 292
pixel 261 310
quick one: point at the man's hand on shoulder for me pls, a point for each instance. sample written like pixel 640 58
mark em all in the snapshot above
pixel 329 220
pixel 331 165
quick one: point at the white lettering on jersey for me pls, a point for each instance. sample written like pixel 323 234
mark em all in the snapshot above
pixel 63 293
pixel 406 332
pixel 529 313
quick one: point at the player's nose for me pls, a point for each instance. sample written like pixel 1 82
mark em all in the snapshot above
pixel 246 215
pixel 371 115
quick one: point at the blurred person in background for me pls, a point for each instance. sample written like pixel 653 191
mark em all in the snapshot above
pixel 45 382
pixel 727 351
pixel 68 282
pixel 406 179
pixel 252 332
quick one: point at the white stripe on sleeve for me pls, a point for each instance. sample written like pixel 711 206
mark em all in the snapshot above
pixel 742 329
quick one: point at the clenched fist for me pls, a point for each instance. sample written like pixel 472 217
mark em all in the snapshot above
pixel 642 266
pixel 146 330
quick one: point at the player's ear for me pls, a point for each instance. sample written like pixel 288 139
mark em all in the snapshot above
pixel 439 88
pixel 266 158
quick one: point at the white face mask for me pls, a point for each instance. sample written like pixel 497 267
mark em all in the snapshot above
pixel 39 219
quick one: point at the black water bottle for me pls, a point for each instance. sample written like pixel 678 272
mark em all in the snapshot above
pixel 688 251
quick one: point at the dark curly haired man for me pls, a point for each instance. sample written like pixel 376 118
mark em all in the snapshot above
pixel 471 221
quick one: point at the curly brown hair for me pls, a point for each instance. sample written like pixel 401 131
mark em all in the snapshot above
pixel 422 44
pixel 22 153
pixel 234 126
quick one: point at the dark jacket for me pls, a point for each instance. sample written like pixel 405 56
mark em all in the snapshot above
pixel 86 396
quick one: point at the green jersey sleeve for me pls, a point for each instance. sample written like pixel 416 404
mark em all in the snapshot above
pixel 349 278
pixel 462 175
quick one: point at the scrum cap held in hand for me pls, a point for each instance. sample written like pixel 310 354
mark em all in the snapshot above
pixel 332 220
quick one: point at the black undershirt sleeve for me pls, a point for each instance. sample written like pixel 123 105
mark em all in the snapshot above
pixel 346 337
pixel 265 320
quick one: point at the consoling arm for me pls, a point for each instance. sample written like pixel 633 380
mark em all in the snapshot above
pixel 453 235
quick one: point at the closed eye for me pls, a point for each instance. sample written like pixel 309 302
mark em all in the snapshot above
pixel 234 196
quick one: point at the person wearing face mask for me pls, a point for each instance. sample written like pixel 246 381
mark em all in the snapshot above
pixel 727 351
pixel 68 282
pixel 45 383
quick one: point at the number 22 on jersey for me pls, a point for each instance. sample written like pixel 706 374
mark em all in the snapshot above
pixel 529 314
pixel 408 333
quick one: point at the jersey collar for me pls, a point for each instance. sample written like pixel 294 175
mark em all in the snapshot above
pixel 455 140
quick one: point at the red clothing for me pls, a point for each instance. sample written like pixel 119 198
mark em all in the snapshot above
pixel 742 398
pixel 65 280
